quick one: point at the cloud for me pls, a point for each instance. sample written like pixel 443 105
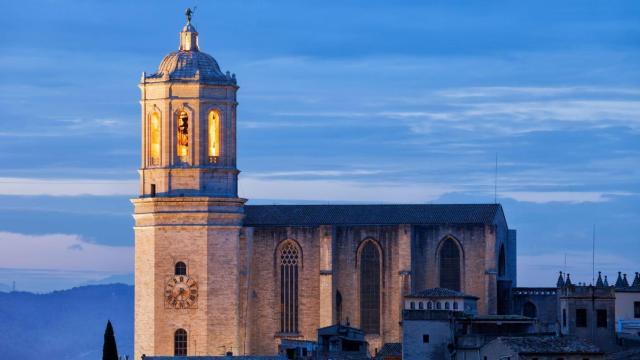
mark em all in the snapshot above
pixel 316 173
pixel 542 197
pixel 337 190
pixel 62 252
pixel 66 187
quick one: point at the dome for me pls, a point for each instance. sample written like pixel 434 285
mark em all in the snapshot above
pixel 189 63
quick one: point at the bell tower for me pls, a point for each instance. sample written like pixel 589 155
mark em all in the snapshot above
pixel 188 217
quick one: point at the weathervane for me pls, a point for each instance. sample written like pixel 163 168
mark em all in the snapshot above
pixel 188 13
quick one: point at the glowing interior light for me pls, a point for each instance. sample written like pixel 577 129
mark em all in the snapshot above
pixel 183 135
pixel 214 132
pixel 154 135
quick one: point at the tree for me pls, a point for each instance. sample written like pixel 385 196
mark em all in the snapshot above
pixel 109 349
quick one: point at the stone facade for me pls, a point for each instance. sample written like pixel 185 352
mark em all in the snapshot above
pixel 189 213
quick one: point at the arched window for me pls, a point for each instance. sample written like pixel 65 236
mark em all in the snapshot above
pixel 412 305
pixel 502 262
pixel 421 305
pixel 429 305
pixel 289 260
pixel 438 305
pixel 213 143
pixel 455 305
pixel 154 139
pixel 181 268
pixel 338 307
pixel 180 343
pixel 450 265
pixel 370 288
pixel 182 138
pixel 529 310
pixel 446 305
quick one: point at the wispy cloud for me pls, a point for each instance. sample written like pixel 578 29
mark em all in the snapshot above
pixel 66 187
pixel 66 252
pixel 543 197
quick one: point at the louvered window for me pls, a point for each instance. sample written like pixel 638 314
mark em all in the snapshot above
pixel 450 266
pixel 289 260
pixel 370 289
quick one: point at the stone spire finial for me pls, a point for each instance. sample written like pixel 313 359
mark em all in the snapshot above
pixel 606 281
pixel 619 284
pixel 560 282
pixel 599 282
pixel 188 35
pixel 625 283
pixel 567 282
pixel 636 281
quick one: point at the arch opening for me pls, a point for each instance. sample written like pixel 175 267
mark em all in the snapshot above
pixel 450 265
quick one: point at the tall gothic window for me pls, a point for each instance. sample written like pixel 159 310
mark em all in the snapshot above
pixel 182 138
pixel 339 307
pixel 450 266
pixel 154 139
pixel 370 289
pixel 180 343
pixel 213 142
pixel 289 261
pixel 502 262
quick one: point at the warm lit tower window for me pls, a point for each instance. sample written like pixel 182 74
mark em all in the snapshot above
pixel 183 136
pixel 214 136
pixel 154 139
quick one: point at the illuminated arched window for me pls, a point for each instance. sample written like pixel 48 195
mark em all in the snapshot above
pixel 180 343
pixel 289 260
pixel 154 138
pixel 213 147
pixel 370 289
pixel 182 138
pixel 450 265
pixel 181 268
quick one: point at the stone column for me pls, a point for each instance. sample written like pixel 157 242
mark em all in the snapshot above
pixel 326 275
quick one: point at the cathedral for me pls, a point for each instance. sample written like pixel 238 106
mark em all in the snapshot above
pixel 215 276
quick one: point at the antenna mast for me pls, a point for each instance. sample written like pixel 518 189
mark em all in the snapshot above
pixel 593 256
pixel 495 182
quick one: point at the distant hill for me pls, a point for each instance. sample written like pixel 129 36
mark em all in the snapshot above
pixel 65 325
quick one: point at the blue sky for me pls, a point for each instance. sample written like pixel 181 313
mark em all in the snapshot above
pixel 350 101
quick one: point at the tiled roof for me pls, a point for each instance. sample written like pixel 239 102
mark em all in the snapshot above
pixel 311 215
pixel 548 345
pixel 440 292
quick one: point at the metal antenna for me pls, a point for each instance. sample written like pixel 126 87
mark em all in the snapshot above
pixel 495 182
pixel 593 255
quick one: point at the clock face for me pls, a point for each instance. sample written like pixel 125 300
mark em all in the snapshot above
pixel 181 292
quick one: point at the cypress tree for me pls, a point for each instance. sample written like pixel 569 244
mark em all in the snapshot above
pixel 109 349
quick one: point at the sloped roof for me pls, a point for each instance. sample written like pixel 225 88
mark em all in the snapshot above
pixel 311 215
pixel 548 345
pixel 440 292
